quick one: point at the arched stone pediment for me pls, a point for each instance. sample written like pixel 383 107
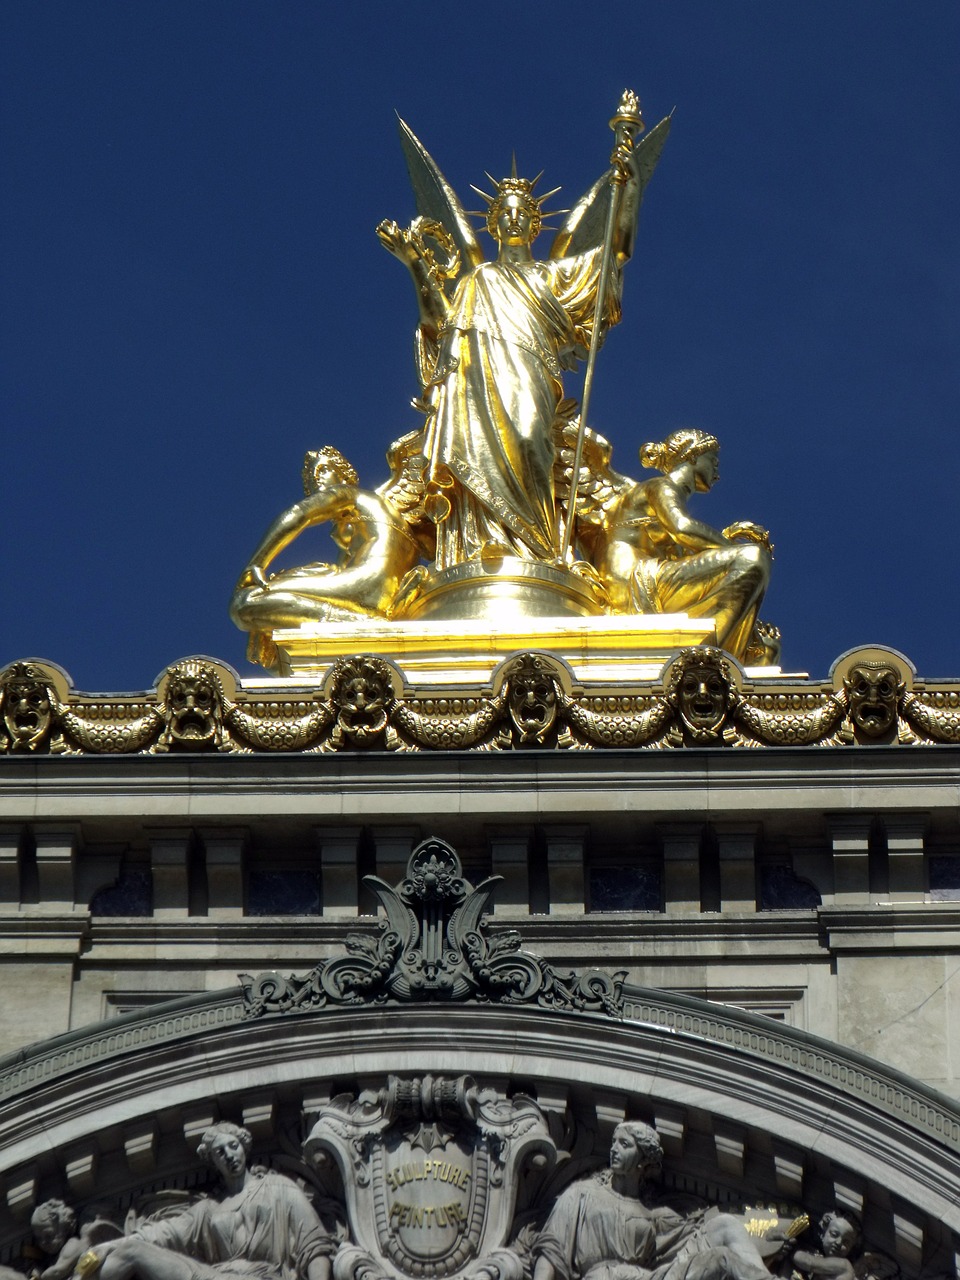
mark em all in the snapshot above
pixel 747 1109
pixel 432 1044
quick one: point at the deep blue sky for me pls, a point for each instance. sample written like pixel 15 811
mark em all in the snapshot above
pixel 193 294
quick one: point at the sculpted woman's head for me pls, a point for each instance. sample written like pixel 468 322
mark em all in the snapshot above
pixel 514 216
pixel 226 1146
pixel 635 1148
pixel 324 467
pixel 686 445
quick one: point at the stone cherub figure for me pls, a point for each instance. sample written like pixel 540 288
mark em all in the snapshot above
pixel 58 1233
pixel 262 1226
pixel 840 1234
pixel 380 535
pixel 601 1228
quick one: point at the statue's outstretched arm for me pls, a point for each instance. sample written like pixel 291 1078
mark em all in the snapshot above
pixel 628 211
pixel 669 507
pixel 327 504
pixel 407 244
pixel 640 162
pixel 583 228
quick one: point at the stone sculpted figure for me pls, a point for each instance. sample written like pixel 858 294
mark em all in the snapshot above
pixel 654 557
pixel 377 532
pixel 494 340
pixel 262 1226
pixel 56 1231
pixel 601 1229
pixel 840 1233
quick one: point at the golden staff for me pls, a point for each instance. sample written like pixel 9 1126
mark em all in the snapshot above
pixel 625 124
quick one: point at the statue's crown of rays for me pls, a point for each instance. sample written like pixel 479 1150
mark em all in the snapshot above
pixel 513 186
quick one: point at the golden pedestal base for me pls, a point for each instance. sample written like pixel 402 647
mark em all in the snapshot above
pixel 505 588
pixel 431 651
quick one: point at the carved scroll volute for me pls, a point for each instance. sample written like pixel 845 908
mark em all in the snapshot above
pixel 342 1133
pixel 518 1125
pixel 431 1168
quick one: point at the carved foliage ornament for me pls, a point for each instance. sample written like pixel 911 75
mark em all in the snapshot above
pixel 702 699
pixel 433 945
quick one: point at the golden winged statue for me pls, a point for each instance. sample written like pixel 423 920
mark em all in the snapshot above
pixel 494 339
pixel 501 489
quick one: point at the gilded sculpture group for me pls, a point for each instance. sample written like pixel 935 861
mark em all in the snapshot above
pixel 502 471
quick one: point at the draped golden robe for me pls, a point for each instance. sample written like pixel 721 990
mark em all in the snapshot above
pixel 511 329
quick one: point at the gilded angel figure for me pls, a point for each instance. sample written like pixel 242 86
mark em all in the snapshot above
pixel 495 337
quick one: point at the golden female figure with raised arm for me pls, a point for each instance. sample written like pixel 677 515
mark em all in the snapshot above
pixel 494 345
pixel 491 513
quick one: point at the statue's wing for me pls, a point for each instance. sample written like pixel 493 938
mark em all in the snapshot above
pixel 587 221
pixel 599 484
pixel 436 198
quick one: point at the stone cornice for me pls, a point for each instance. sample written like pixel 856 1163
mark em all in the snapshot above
pixel 915 927
pixel 888 927
pixel 235 788
pixel 38 933
pixel 608 928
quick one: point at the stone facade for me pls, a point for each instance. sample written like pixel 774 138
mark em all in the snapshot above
pixel 778 922
pixel 820 888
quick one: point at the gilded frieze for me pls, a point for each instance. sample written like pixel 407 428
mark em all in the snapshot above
pixel 703 698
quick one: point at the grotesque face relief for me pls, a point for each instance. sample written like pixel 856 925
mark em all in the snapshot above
pixel 874 690
pixel 25 697
pixel 532 700
pixel 362 693
pixel 702 691
pixel 194 706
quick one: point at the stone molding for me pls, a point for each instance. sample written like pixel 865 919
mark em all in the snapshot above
pixel 700 782
pixel 931 925
pixel 116 1038
pixel 117 1045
